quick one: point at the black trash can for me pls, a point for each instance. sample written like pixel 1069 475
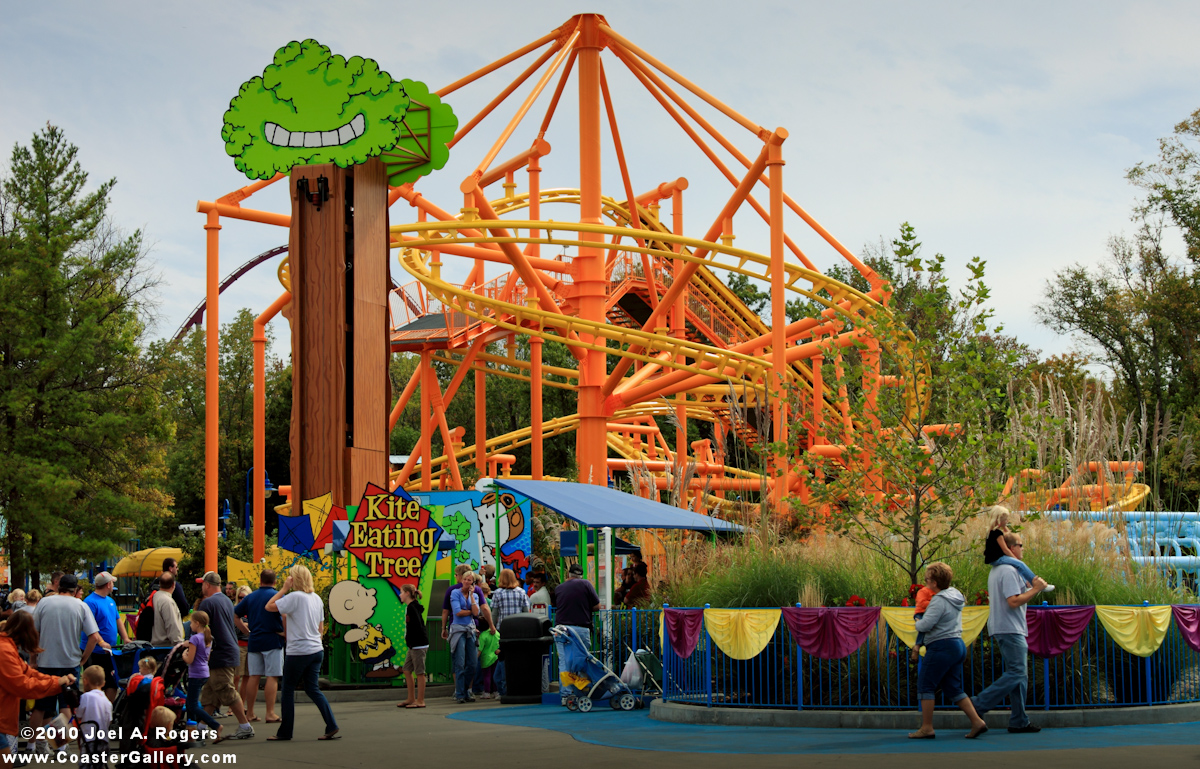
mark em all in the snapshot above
pixel 524 639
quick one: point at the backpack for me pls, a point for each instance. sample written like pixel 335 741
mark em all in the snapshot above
pixel 144 626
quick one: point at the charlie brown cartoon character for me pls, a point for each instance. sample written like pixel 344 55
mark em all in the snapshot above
pixel 352 604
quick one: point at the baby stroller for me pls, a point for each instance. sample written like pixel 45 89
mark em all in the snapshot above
pixel 648 676
pixel 139 698
pixel 585 680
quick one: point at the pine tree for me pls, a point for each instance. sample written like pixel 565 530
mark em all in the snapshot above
pixel 81 434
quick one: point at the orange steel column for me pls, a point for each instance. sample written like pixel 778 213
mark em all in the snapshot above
pixel 536 450
pixel 818 400
pixel 212 387
pixel 259 339
pixel 426 422
pixel 535 342
pixel 590 445
pixel 480 422
pixel 679 331
pixel 535 404
pixel 778 315
pixel 535 200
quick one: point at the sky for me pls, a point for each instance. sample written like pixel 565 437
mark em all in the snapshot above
pixel 999 131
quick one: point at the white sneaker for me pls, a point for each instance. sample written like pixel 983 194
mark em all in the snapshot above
pixel 1048 589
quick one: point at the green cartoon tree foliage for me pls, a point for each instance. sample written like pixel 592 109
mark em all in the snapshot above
pixel 310 106
pixel 426 129
pixel 459 527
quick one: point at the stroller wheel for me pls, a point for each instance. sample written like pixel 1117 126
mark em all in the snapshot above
pixel 627 701
pixel 615 702
pixel 572 704
pixel 584 704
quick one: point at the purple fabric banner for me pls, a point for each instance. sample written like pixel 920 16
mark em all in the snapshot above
pixel 1187 619
pixel 1054 629
pixel 683 629
pixel 831 633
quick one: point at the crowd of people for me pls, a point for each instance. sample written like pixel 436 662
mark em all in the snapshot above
pixel 236 638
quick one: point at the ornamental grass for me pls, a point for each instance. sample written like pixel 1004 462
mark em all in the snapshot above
pixel 1087 562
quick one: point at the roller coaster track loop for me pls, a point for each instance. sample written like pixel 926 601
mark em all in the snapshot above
pixel 854 306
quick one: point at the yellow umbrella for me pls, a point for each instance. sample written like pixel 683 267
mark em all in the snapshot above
pixel 146 563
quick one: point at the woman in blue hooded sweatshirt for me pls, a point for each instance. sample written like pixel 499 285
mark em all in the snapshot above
pixel 944 653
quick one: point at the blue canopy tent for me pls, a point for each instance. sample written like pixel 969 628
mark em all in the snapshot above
pixel 599 507
pixel 568 545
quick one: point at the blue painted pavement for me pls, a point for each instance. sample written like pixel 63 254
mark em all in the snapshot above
pixel 636 731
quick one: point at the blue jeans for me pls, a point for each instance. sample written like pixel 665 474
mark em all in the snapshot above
pixel 194 711
pixel 1014 684
pixel 465 652
pixel 498 678
pixel 477 679
pixel 303 669
pixel 942 669
pixel 1025 572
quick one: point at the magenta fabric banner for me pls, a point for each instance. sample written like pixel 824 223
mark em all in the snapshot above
pixel 831 633
pixel 1187 619
pixel 1054 629
pixel 683 629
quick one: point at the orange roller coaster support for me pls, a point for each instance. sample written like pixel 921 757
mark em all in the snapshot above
pixel 590 280
pixel 259 340
pixel 212 387
pixel 778 314
pixel 621 280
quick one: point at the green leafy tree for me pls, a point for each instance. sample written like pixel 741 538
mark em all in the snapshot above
pixel 81 430
pixel 1172 184
pixel 184 401
pixel 1137 312
pixel 748 290
pixel 905 491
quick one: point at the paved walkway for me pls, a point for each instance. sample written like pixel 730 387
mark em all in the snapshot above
pixel 377 734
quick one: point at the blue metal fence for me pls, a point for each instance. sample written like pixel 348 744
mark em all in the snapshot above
pixel 1094 673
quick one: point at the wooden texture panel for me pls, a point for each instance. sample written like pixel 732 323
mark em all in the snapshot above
pixel 317 260
pixel 370 376
pixel 371 395
pixel 371 237
pixel 362 467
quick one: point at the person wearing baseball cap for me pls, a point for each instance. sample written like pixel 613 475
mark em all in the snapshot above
pixel 574 602
pixel 223 657
pixel 110 625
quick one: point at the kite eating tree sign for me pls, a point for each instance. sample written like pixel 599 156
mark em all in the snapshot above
pixel 392 535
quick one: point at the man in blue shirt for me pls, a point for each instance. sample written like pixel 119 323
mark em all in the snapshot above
pixel 264 650
pixel 110 625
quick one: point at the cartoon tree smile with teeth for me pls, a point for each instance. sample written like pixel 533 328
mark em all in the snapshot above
pixel 310 106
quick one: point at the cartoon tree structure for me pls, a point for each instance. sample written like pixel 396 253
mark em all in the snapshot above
pixel 311 106
pixel 422 147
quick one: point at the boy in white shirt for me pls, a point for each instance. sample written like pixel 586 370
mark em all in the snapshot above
pixel 94 712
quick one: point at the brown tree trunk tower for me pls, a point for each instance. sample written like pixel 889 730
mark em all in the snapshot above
pixel 338 259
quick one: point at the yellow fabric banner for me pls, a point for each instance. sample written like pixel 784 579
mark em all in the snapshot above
pixel 741 633
pixel 900 620
pixel 242 572
pixel 1139 630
